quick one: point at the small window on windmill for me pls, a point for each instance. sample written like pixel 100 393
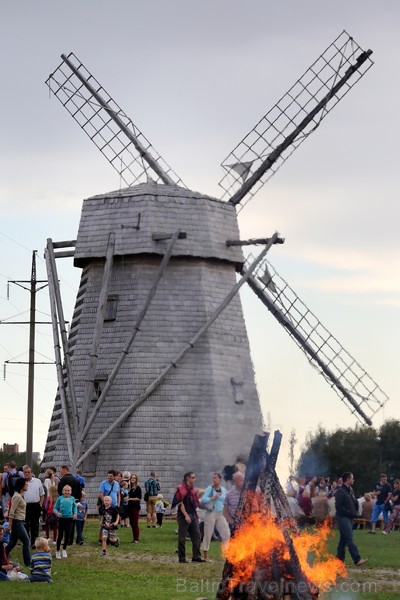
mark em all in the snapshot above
pixel 98 385
pixel 111 308
pixel 89 465
pixel 237 391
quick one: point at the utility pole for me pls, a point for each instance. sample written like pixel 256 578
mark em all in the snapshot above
pixel 33 289
pixel 31 369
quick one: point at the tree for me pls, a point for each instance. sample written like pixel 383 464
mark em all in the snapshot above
pixel 19 458
pixel 364 451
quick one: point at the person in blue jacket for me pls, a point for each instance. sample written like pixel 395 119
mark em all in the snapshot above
pixel 213 503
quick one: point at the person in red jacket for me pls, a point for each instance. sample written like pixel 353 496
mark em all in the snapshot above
pixel 186 500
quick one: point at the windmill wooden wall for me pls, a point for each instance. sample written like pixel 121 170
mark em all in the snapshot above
pixel 207 409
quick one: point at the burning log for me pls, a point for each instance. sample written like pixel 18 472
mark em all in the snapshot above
pixel 262 560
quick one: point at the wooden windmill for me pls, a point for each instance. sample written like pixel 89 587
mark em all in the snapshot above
pixel 156 370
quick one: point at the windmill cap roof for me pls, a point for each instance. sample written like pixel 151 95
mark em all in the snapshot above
pixel 136 216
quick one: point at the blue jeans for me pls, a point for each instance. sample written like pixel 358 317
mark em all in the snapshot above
pixel 345 525
pixel 79 530
pixel 18 532
pixel 40 578
pixel 377 510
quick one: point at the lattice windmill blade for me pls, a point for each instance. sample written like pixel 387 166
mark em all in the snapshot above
pixel 350 381
pixel 106 124
pixel 294 117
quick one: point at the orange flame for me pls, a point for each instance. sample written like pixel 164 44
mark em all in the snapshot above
pixel 260 540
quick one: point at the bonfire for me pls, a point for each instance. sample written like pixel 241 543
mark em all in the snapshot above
pixel 268 558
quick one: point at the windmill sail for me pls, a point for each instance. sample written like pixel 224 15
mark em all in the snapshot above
pixel 343 373
pixel 106 124
pixel 294 117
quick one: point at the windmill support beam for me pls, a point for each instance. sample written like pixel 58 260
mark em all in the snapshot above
pixel 115 117
pixel 287 324
pixel 188 346
pixel 59 368
pixel 138 322
pixel 253 242
pixel 273 157
pixel 51 263
pixel 94 352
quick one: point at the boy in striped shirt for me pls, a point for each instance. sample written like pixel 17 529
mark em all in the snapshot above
pixel 41 562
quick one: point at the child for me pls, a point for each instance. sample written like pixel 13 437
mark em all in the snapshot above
pixel 5 564
pixel 41 562
pixel 7 568
pixel 123 507
pixel 6 533
pixel 82 507
pixel 65 508
pixel 160 509
pixel 51 519
pixel 109 523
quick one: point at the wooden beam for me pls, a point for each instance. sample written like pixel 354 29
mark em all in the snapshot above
pixel 173 364
pixel 126 350
pixel 64 337
pixel 94 352
pixel 67 244
pixel 57 352
pixel 66 254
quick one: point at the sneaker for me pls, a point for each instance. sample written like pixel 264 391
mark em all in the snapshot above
pixel 384 532
pixel 103 552
pixel 58 554
pixel 362 561
pixel 183 560
pixel 64 554
pixel 54 543
pixel 136 542
pixel 372 532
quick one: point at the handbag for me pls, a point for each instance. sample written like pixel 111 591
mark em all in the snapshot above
pixel 208 506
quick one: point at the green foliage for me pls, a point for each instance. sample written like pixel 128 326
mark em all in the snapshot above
pixel 363 450
pixel 20 459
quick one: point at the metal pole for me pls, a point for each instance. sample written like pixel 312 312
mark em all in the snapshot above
pixel 31 371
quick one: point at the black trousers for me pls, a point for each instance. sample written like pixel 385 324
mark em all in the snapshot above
pixel 193 530
pixel 64 529
pixel 32 516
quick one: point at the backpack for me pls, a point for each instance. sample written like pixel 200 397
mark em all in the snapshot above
pixel 10 483
pixel 152 487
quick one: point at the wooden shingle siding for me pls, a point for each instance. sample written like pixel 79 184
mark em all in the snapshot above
pixel 192 420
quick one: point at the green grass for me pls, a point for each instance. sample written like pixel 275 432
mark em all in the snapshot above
pixel 150 571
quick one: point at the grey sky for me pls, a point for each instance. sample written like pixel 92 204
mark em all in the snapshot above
pixel 195 77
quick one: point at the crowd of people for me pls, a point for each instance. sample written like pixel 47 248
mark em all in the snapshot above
pixel 58 503
pixel 312 501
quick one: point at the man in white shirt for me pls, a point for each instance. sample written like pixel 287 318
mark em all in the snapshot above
pixel 34 497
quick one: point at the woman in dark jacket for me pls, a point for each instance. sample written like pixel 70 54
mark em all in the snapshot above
pixel 134 498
